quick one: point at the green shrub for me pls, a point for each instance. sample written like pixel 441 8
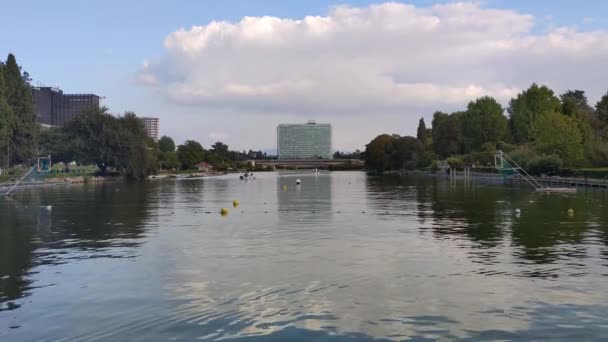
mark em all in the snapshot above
pixel 523 155
pixel 599 173
pixel 568 172
pixel 506 147
pixel 455 163
pixel 544 165
pixel 597 155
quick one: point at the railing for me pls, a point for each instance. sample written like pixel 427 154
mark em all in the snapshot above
pixel 19 181
pixel 512 165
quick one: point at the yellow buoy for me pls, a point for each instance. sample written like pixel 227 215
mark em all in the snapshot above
pixel 284 187
pixel 224 211
pixel 235 203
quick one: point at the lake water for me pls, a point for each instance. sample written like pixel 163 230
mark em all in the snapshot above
pixel 343 257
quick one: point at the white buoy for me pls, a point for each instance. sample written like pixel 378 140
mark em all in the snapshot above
pixel 49 207
pixel 298 182
pixel 517 213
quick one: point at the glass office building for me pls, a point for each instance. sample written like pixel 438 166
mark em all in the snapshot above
pixel 304 141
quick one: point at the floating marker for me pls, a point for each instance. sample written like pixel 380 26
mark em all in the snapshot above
pixel 570 212
pixel 224 211
pixel 298 182
pixel 235 203
pixel 284 187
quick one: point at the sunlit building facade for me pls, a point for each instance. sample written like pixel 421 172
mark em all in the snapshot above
pixel 304 141
pixel 151 126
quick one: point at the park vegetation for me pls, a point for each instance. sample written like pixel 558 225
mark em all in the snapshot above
pixel 115 144
pixel 544 133
pixel 18 128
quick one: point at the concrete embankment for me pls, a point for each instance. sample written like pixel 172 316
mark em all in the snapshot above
pixel 58 181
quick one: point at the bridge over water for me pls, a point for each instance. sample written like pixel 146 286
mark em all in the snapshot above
pixel 308 164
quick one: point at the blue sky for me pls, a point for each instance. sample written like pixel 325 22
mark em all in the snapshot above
pixel 98 46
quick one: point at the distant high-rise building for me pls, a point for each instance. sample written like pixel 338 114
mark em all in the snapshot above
pixel 151 125
pixel 55 108
pixel 76 104
pixel 48 103
pixel 304 141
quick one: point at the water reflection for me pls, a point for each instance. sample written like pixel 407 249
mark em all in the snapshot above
pixel 305 204
pixel 481 219
pixel 344 257
pixel 44 227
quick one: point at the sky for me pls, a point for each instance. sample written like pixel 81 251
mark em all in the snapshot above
pixel 232 70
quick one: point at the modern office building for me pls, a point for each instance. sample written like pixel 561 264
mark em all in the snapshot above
pixel 54 108
pixel 76 104
pixel 47 101
pixel 304 141
pixel 151 125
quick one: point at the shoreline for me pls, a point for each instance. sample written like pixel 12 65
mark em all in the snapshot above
pixel 570 182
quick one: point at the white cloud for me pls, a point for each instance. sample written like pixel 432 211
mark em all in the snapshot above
pixel 383 59
pixel 217 136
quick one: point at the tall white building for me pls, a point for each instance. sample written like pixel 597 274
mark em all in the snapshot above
pixel 151 125
pixel 304 141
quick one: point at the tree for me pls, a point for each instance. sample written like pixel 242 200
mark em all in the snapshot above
pixel 190 154
pixel 527 108
pixel 168 160
pixel 574 101
pixel 406 153
pixel 483 122
pixel 559 136
pixel 219 148
pixel 447 133
pixel 166 144
pixel 95 139
pixel 376 150
pixel 575 106
pixel 137 151
pixel 422 134
pixel 5 120
pixel 54 142
pixel 601 109
pixel 22 123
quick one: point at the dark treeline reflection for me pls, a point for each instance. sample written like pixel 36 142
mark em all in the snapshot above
pixel 482 217
pixel 52 226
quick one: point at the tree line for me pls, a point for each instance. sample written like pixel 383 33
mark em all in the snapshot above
pixel 540 128
pixel 121 145
pixel 18 128
pixel 191 153
pixel 114 143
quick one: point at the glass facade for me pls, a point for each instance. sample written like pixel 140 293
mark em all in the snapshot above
pixel 304 141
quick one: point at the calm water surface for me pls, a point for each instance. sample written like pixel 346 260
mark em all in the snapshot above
pixel 344 257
